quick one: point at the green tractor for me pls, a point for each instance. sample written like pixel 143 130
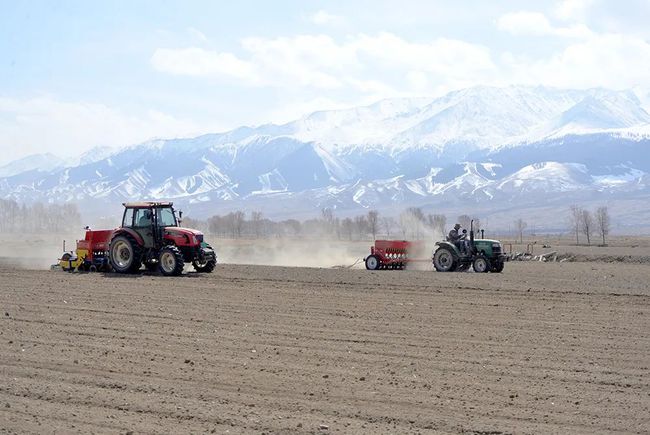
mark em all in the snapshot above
pixel 483 255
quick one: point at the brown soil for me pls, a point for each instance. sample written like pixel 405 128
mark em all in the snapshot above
pixel 541 348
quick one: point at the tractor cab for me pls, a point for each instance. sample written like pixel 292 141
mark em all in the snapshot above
pixel 149 220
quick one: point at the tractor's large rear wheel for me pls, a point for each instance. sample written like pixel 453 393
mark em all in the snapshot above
pixel 444 260
pixel 171 261
pixel 125 254
pixel 481 264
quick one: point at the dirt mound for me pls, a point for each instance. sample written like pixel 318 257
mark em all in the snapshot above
pixel 631 259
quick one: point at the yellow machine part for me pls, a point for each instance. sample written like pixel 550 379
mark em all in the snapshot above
pixel 68 262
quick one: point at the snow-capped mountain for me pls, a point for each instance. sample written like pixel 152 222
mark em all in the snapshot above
pixel 488 147
pixel 36 162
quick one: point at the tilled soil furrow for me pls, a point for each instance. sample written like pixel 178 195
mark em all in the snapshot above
pixel 541 348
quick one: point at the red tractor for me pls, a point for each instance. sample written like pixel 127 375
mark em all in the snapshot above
pixel 150 235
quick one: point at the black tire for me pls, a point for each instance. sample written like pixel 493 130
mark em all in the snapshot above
pixel 125 254
pixel 498 267
pixel 170 261
pixel 373 263
pixel 481 264
pixel 444 260
pixel 207 266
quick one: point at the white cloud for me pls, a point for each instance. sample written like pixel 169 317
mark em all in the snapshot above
pixel 525 23
pixel 45 124
pixel 197 34
pixel 322 17
pixel 572 10
pixel 195 61
pixel 363 63
pixel 607 60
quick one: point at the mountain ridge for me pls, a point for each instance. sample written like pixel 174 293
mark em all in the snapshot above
pixel 477 145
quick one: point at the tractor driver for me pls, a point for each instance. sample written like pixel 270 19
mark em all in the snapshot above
pixel 145 219
pixel 457 239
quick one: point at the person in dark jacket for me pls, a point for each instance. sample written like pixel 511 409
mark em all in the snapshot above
pixel 458 239
pixel 453 235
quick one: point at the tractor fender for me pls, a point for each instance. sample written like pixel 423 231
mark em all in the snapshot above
pixel 449 246
pixel 130 232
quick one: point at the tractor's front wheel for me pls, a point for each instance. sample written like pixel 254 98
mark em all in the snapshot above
pixel 207 265
pixel 498 267
pixel 171 261
pixel 444 261
pixel 125 254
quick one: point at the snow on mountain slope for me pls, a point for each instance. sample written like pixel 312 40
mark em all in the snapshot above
pixel 547 177
pixel 477 144
pixel 35 162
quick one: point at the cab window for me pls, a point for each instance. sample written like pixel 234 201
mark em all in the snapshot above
pixel 166 217
pixel 128 218
pixel 142 217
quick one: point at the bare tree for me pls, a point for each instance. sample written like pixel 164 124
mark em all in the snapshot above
pixel 256 223
pixel 575 217
pixel 347 227
pixel 373 223
pixel 38 217
pixel 587 225
pixel 464 220
pixel 238 219
pixel 520 226
pixel 388 223
pixel 602 222
pixel 361 226
pixel 438 222
pixel 328 219
pixel 412 219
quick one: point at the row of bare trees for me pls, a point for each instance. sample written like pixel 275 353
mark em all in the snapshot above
pixel 38 218
pixel 411 223
pixel 582 222
pixel 587 223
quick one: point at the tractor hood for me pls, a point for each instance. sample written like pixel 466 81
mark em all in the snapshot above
pixel 178 231
pixel 486 241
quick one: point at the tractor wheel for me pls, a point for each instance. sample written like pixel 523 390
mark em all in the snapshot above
pixel 373 263
pixel 498 267
pixel 444 260
pixel 207 266
pixel 171 261
pixel 125 254
pixel 481 264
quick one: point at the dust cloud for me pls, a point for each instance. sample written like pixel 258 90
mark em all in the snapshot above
pixel 36 251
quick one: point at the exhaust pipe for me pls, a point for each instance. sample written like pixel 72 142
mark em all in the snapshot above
pixel 471 235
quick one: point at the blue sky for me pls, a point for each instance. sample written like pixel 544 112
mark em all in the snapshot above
pixel 75 74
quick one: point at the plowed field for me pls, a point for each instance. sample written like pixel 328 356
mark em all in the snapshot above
pixel 541 348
